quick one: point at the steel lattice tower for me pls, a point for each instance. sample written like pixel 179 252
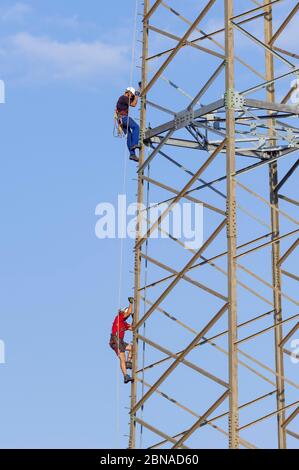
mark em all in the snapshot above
pixel 219 319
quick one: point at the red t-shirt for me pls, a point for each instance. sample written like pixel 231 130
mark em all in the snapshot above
pixel 120 326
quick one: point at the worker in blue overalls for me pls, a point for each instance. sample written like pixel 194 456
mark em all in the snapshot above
pixel 129 126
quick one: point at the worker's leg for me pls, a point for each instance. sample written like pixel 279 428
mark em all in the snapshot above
pixel 129 364
pixel 121 352
pixel 128 133
pixel 135 131
pixel 129 351
pixel 122 359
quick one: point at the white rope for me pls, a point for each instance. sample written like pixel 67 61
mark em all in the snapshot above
pixel 124 191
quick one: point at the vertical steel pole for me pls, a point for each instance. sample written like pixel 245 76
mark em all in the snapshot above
pixel 276 270
pixel 231 227
pixel 132 441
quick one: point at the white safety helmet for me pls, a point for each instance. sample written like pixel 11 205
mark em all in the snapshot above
pixel 131 89
pixel 123 310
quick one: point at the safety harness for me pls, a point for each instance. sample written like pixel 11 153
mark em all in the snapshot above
pixel 118 130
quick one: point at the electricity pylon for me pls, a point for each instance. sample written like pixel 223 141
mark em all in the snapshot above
pixel 215 325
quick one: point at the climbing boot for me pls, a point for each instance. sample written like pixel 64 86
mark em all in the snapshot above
pixel 129 364
pixel 135 147
pixel 134 158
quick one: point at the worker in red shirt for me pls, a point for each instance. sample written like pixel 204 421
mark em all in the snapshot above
pixel 117 343
pixel 129 126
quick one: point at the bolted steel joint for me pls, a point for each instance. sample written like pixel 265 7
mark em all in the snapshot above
pixel 183 118
pixel 233 100
pixel 231 227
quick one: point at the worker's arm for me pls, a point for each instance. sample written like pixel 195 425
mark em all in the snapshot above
pixel 128 326
pixel 130 308
pixel 134 102
pixel 129 311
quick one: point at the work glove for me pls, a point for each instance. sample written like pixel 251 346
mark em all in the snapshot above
pixel 131 300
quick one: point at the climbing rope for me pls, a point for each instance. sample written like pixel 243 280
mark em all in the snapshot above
pixel 124 191
pixel 118 131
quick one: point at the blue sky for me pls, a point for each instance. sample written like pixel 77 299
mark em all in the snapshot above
pixel 64 65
